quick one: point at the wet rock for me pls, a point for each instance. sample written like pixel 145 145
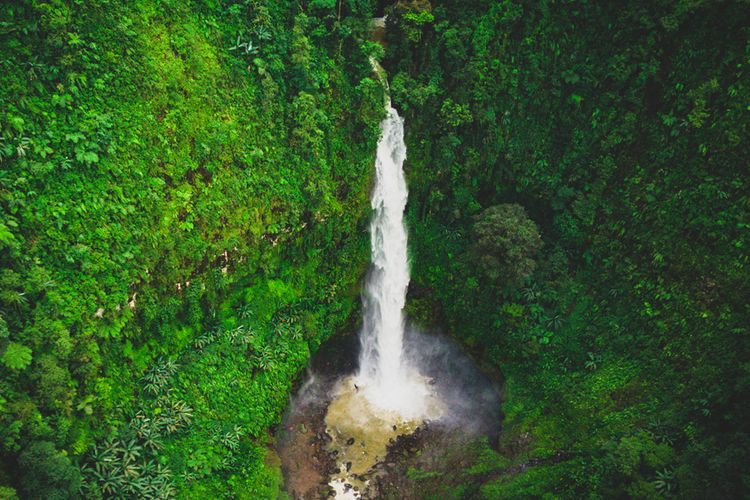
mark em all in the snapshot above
pixel 394 427
pixel 350 441
pixel 348 466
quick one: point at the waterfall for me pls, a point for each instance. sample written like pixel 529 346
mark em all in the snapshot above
pixel 391 395
pixel 385 290
pixel 385 374
pixel 388 397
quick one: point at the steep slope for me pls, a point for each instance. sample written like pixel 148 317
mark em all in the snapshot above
pixel 617 131
pixel 184 193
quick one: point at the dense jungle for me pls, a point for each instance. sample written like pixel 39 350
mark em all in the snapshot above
pixel 185 193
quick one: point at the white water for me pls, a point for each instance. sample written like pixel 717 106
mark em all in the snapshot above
pixel 385 375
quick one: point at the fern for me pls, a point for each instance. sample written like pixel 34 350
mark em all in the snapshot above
pixel 16 356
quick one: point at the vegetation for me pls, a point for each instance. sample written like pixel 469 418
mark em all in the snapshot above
pixel 183 201
pixel 619 128
pixel 183 188
pixel 505 241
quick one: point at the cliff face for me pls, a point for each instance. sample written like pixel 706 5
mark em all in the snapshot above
pixel 377 30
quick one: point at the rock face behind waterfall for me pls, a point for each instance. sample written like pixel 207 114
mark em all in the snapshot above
pixel 377 30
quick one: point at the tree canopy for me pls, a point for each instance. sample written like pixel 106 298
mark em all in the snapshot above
pixel 506 242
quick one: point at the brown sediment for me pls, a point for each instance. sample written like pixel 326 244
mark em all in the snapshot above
pixel 330 433
pixel 325 441
pixel 360 432
pixel 306 462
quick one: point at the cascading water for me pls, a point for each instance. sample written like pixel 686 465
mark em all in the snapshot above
pixel 388 279
pixel 387 380
pixel 389 396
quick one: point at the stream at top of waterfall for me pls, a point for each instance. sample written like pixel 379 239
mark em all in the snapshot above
pixel 354 431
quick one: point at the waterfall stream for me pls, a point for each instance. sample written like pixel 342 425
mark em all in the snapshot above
pixel 381 367
pixel 404 384
pixel 388 397
pixel 385 376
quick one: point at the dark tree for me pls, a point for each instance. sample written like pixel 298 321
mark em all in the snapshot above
pixel 48 473
pixel 506 243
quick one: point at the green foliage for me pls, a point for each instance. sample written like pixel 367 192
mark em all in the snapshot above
pixel 16 356
pixel 413 16
pixel 618 129
pixel 183 188
pixel 47 472
pixel 7 493
pixel 323 4
pixel 156 161
pixel 454 114
pixel 407 92
pixel 506 241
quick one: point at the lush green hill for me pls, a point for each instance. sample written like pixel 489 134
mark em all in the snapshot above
pixel 184 188
pixel 621 129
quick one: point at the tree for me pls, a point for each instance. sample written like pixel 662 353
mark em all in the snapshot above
pixel 506 241
pixel 48 473
pixel 414 15
pixel 454 114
